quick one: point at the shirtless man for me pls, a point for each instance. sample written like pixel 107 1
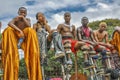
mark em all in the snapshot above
pixel 68 32
pixel 85 34
pixel 20 27
pixel 101 35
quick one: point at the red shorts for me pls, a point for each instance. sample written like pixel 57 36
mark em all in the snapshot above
pixel 73 42
pixel 98 46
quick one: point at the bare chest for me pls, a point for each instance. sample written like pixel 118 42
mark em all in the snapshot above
pixel 20 24
pixel 66 29
pixel 101 36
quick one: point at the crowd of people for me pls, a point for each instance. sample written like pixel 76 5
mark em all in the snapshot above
pixel 66 39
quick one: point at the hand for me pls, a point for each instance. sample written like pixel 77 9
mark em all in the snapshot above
pixel 44 21
pixel 95 44
pixel 110 46
pixel 20 17
pixel 21 34
pixel 101 43
pixel 90 42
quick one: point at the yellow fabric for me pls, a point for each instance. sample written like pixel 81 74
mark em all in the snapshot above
pixel 10 56
pixel 116 41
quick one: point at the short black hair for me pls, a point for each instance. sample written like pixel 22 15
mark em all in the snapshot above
pixel 67 13
pixel 22 8
pixel 84 18
pixel 39 13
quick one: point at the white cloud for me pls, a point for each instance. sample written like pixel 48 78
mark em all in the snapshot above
pixel 5 22
pixel 55 20
pixel 98 12
pixel 103 6
pixel 10 7
pixel 91 10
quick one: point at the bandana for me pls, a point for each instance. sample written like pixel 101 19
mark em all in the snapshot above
pixel 86 31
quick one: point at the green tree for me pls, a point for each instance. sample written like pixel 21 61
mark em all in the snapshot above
pixel 22 70
pixel 53 67
pixel 111 23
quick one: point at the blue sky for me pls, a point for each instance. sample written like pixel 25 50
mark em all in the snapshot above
pixel 54 10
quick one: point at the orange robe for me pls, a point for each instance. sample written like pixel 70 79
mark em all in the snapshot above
pixel 10 56
pixel 116 41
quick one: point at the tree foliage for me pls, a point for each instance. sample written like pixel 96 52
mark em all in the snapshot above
pixel 111 23
pixel 22 70
pixel 53 67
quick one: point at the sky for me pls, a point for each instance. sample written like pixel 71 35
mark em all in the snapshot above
pixel 55 9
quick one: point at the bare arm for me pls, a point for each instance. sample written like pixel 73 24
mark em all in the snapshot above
pixel 79 35
pixel 12 24
pixel 92 37
pixel 35 27
pixel 16 19
pixel 74 32
pixel 27 21
pixel 95 36
pixel 50 32
pixel 106 43
pixel 106 38
pixel 80 38
pixel 48 28
pixel 59 28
